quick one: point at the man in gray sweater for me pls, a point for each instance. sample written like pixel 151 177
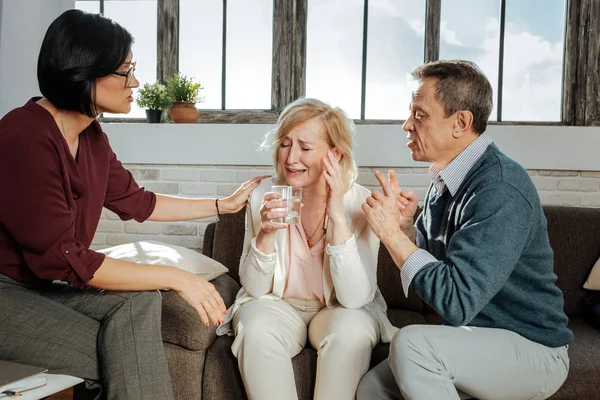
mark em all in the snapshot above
pixel 478 254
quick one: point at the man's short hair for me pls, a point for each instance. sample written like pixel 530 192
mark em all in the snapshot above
pixel 460 85
pixel 79 48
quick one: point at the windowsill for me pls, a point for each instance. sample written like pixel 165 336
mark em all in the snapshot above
pixel 549 146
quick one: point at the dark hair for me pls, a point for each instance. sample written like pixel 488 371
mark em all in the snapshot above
pixel 460 85
pixel 79 48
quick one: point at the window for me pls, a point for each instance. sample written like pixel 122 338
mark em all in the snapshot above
pixel 139 17
pixel 200 47
pixel 395 45
pixel 255 56
pixel 246 78
pixel 249 49
pixel 334 53
pixel 532 61
pixel 91 6
pixel 336 59
pixel 473 36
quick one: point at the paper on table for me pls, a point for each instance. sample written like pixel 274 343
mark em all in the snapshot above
pixel 24 384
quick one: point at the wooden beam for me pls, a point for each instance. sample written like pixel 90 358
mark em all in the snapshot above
pixel 167 39
pixel 571 56
pixel 213 117
pixel 591 115
pixel 581 83
pixel 289 52
pixel 432 29
pixel 237 117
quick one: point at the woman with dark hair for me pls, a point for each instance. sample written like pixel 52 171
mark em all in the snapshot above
pixel 58 171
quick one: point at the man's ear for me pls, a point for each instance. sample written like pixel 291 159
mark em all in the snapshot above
pixel 463 124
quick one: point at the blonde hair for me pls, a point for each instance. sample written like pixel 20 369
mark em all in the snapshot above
pixel 339 133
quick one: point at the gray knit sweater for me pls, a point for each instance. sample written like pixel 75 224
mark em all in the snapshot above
pixel 495 265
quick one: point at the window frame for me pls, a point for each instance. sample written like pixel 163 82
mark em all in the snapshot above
pixel 580 85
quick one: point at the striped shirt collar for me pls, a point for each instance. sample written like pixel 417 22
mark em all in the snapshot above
pixel 454 174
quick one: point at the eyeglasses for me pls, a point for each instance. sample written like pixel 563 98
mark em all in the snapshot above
pixel 128 75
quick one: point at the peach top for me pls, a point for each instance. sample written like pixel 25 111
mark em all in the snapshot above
pixel 304 277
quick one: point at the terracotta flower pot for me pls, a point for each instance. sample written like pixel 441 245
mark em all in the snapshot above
pixel 183 112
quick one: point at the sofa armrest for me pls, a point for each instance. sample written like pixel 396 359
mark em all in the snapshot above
pixel 209 237
pixel 181 325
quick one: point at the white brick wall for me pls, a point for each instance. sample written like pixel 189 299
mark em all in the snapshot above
pixel 569 188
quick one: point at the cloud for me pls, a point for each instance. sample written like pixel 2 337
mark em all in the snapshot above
pixel 532 76
pixel 448 35
pixel 417 26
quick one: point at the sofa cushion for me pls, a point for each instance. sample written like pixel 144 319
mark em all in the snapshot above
pixel 228 242
pixel 390 285
pixel 181 324
pixel 401 318
pixel 157 253
pixel 222 379
pixel 584 370
pixel 575 238
pixel 592 306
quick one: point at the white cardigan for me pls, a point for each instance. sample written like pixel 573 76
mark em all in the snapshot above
pixel 349 269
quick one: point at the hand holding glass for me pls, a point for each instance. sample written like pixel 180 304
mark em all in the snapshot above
pixel 292 196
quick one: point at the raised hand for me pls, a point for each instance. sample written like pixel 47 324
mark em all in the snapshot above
pixel 407 200
pixel 335 187
pixel 382 210
pixel 237 200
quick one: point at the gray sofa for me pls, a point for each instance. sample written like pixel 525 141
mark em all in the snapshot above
pixel 203 367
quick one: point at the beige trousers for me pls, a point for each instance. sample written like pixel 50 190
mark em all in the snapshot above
pixel 445 362
pixel 268 333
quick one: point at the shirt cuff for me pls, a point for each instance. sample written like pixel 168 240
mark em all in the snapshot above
pixel 345 247
pixel 420 241
pixel 260 256
pixel 412 265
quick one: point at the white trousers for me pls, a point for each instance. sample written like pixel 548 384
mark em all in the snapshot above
pixel 268 333
pixel 444 362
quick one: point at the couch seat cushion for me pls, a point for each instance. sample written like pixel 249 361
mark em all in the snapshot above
pixel 402 318
pixel 220 362
pixel 584 369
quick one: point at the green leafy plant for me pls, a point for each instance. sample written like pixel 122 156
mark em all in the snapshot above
pixel 153 96
pixel 182 88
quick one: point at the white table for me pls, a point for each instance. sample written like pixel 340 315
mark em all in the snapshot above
pixel 54 384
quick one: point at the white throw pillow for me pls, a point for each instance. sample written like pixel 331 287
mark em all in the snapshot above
pixel 156 253
pixel 593 281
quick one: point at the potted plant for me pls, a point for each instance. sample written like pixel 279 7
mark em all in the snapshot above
pixel 185 93
pixel 154 98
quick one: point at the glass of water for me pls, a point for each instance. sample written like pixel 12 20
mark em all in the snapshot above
pixel 292 196
pixel 294 205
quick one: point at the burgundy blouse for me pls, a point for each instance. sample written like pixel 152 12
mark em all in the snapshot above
pixel 50 202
